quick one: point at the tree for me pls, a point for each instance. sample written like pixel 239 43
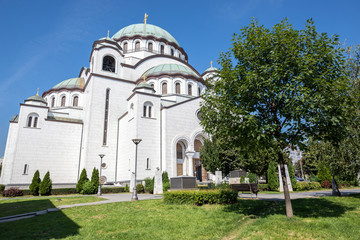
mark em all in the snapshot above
pixel 272 177
pixel 45 185
pixel 278 87
pixel 95 179
pixel 35 184
pixel 324 172
pixel 83 178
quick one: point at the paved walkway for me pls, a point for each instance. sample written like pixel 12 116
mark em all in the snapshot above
pixel 297 195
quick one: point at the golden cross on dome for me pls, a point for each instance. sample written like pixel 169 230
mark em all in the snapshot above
pixel 37 93
pixel 145 18
pixel 211 63
pixel 108 33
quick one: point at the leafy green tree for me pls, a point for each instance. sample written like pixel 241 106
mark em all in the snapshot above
pixel 272 177
pixel 45 185
pixel 252 177
pixel 83 178
pixel 95 179
pixel 35 184
pixel 324 172
pixel 278 87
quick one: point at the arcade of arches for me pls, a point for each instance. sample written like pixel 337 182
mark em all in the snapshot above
pixel 188 162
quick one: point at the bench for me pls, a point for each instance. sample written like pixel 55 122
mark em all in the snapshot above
pixel 245 187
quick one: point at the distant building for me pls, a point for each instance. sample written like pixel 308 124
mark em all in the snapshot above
pixel 295 155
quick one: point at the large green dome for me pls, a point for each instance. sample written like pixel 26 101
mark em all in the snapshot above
pixel 70 83
pixel 170 69
pixel 144 30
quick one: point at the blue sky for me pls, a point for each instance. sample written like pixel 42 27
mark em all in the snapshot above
pixel 45 42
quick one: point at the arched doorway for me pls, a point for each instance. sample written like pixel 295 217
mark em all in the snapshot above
pixel 180 156
pixel 199 170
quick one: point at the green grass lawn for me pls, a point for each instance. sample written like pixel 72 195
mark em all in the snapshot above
pixel 320 218
pixel 14 206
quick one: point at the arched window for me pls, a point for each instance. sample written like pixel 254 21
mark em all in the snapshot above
pixel 32 120
pixel 150 47
pixel 137 46
pixel 52 101
pixel 152 85
pixel 177 88
pixel 75 101
pixel 162 49
pixel 190 89
pixel 108 64
pixel 125 49
pixel 147 110
pixel 179 151
pixel 63 100
pixel 164 88
pixel 199 91
pixel 172 52
pixel 29 121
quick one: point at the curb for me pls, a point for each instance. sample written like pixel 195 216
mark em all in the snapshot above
pixel 27 215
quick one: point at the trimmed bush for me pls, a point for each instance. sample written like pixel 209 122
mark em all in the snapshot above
pixel 220 196
pixel 272 178
pixel 35 184
pixel 114 189
pixel 12 192
pixel 82 179
pixel 95 179
pixel 140 188
pixel 2 188
pixel 263 187
pixel 126 189
pixel 88 188
pixel 63 191
pixel 46 185
pixel 149 185
pixel 305 186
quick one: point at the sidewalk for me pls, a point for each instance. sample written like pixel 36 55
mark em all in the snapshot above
pixel 111 198
pixel 298 195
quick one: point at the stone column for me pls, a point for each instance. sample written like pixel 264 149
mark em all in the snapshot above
pixel 190 170
pixel 280 180
pixel 158 185
pixel 218 177
pixel 287 179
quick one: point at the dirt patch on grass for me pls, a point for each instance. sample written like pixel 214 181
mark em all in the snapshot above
pixel 99 216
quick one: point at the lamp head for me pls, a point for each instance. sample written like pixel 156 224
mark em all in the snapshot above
pixel 136 141
pixel 101 155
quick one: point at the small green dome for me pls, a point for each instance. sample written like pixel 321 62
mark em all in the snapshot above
pixel 144 30
pixel 211 69
pixel 71 83
pixel 36 98
pixel 170 69
pixel 143 85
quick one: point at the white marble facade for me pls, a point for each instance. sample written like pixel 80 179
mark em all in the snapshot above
pixel 105 107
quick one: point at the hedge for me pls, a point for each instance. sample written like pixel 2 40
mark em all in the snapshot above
pixel 219 196
pixel 113 189
pixel 303 186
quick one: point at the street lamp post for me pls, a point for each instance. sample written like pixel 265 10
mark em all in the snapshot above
pixel 99 189
pixel 134 196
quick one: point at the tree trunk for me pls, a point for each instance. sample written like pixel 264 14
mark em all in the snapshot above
pixel 289 210
pixel 335 189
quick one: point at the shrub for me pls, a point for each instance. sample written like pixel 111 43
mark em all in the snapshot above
pixel 2 188
pixel 220 196
pixel 63 191
pixel 95 178
pixel 304 186
pixel 252 177
pixel 140 188
pixel 149 185
pixel 165 177
pixel 166 186
pixel 263 187
pixel 82 179
pixel 114 189
pixel 272 178
pixel 324 173
pixel 88 188
pixel 126 189
pixel 46 185
pixel 12 192
pixel 313 178
pixel 242 179
pixel 222 186
pixel 35 184
pixel 326 184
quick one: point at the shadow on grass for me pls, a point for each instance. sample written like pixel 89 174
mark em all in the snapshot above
pixel 310 207
pixel 53 225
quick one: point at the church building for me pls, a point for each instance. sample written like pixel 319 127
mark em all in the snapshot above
pixel 139 85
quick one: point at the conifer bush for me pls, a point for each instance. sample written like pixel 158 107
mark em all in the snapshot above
pixel 324 173
pixel 88 188
pixel 83 178
pixel 272 178
pixel 166 181
pixel 95 179
pixel 2 188
pixel 45 185
pixel 35 184
pixel 126 189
